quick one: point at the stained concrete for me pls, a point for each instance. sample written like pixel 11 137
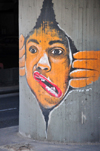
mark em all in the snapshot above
pixel 77 119
pixel 11 140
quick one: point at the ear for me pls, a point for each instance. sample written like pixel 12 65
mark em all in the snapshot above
pixel 21 55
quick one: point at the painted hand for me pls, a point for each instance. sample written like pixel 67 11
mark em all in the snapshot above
pixel 87 68
pixel 21 56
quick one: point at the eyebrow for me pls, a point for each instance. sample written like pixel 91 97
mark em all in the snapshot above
pixel 56 41
pixel 33 40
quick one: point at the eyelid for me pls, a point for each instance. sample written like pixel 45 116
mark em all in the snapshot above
pixel 57 48
pixel 32 47
pixel 58 45
pixel 33 44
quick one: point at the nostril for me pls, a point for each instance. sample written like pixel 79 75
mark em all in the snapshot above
pixel 39 68
pixel 45 68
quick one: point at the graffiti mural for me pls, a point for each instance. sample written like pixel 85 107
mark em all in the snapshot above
pixel 51 63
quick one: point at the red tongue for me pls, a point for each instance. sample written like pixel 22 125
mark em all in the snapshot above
pixel 50 87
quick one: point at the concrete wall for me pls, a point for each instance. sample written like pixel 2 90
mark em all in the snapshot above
pixel 77 117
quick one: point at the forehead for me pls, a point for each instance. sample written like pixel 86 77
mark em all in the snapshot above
pixel 46 34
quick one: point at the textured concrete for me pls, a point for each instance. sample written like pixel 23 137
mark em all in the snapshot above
pixel 11 140
pixel 77 119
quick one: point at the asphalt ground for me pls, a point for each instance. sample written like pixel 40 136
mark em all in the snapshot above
pixel 11 140
pixel 9 110
pixel 9 105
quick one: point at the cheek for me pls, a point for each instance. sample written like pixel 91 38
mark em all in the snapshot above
pixel 60 74
pixel 60 66
pixel 31 60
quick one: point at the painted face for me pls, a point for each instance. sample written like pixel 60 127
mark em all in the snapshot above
pixel 47 66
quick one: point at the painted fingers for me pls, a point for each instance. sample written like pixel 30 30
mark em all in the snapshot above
pixel 21 56
pixel 87 68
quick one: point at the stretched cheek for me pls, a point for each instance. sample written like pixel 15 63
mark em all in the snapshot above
pixel 60 68
pixel 30 62
pixel 28 67
pixel 60 76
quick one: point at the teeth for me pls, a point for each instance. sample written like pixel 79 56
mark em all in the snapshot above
pixel 49 79
pixel 42 80
pixel 50 90
pixel 53 88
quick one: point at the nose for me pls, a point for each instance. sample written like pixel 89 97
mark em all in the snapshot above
pixel 43 63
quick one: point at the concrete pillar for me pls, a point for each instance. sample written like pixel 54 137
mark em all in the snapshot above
pixel 59 66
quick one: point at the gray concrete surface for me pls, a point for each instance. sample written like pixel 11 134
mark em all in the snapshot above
pixel 11 140
pixel 77 118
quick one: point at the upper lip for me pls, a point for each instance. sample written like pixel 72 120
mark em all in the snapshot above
pixel 40 78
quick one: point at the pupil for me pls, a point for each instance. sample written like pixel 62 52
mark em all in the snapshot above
pixel 56 51
pixel 32 50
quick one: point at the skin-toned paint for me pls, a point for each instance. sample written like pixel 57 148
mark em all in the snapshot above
pixel 82 75
pixel 51 63
pixel 87 64
pixel 46 53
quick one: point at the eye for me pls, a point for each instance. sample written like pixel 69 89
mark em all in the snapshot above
pixel 57 51
pixel 32 49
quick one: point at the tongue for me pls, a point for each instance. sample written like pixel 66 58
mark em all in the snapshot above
pixel 48 86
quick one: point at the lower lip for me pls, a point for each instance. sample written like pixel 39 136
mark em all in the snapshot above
pixel 37 76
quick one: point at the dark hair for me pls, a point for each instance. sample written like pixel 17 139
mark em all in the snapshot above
pixel 46 16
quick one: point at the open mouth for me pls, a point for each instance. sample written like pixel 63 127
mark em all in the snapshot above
pixel 48 86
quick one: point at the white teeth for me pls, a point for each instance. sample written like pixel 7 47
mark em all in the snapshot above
pixel 42 80
pixel 49 79
pixel 53 88
pixel 50 90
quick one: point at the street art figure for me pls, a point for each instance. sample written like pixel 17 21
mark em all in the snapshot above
pixel 51 63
